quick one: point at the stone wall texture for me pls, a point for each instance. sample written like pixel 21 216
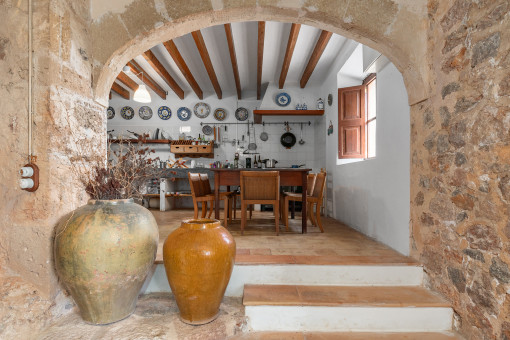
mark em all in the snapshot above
pixel 455 59
pixel 63 109
pixel 460 152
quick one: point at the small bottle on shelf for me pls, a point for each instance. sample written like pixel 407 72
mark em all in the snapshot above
pixel 255 164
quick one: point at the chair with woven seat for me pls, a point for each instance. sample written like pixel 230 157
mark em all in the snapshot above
pixel 199 196
pixel 260 187
pixel 296 197
pixel 313 199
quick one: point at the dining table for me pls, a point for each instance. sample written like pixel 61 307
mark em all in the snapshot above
pixel 288 177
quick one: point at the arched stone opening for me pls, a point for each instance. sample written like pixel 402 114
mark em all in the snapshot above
pixel 384 26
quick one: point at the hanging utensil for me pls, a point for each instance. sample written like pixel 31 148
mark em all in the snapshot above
pixel 252 146
pixel 301 141
pixel 264 136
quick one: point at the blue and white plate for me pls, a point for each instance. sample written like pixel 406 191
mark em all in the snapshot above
pixel 282 99
pixel 127 112
pixel 145 112
pixel 110 112
pixel 183 113
pixel 164 112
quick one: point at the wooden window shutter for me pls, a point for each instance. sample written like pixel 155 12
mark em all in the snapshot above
pixel 351 122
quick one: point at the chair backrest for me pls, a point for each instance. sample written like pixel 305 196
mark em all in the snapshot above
pixel 206 185
pixel 320 181
pixel 310 183
pixel 195 184
pixel 260 185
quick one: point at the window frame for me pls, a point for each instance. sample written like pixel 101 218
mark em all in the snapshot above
pixel 367 82
pixel 344 143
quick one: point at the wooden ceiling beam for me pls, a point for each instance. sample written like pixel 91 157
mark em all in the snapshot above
pixel 120 90
pixel 260 56
pixel 126 80
pixel 320 46
pixel 291 44
pixel 233 58
pixel 163 73
pixel 146 79
pixel 206 59
pixel 181 64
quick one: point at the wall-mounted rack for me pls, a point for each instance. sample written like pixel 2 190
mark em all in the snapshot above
pixel 240 123
pixel 287 123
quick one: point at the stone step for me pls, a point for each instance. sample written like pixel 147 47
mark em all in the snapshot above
pixel 345 336
pixel 310 270
pixel 345 308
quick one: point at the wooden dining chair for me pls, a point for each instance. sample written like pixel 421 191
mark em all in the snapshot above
pixel 296 197
pixel 207 191
pixel 314 199
pixel 260 187
pixel 199 196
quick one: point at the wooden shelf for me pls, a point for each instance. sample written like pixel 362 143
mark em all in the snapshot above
pixel 143 141
pixel 193 151
pixel 259 113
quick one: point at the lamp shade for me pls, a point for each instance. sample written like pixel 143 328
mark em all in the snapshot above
pixel 142 95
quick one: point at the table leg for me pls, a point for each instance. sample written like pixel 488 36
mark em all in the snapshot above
pixel 303 204
pixel 217 196
pixel 228 210
pixel 292 209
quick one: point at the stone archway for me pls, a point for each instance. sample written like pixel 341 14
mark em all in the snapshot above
pixel 395 28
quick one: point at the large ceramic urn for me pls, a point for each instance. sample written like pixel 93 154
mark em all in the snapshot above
pixel 199 258
pixel 103 253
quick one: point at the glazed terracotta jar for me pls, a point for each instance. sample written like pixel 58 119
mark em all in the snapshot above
pixel 103 253
pixel 199 258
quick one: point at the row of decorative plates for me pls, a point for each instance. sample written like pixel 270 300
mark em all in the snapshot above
pixel 201 110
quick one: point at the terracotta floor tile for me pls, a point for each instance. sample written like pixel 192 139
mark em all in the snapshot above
pixel 270 294
pixel 242 251
pixel 260 251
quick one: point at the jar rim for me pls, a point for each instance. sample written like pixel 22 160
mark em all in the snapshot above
pixel 200 223
pixel 111 202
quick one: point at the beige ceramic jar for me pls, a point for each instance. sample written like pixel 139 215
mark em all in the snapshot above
pixel 199 258
pixel 103 253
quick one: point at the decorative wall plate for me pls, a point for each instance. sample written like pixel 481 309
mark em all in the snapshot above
pixel 183 113
pixel 241 114
pixel 282 99
pixel 202 110
pixel 110 112
pixel 207 130
pixel 164 112
pixel 220 114
pixel 145 112
pixel 127 112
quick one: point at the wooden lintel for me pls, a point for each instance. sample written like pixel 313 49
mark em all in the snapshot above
pixel 260 56
pixel 163 73
pixel 320 46
pixel 146 79
pixel 183 67
pixel 120 90
pixel 206 59
pixel 291 44
pixel 126 80
pixel 233 58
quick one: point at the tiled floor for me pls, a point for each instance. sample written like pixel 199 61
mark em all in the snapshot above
pixel 339 244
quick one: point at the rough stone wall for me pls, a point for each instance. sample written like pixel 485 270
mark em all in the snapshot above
pixel 460 152
pixel 62 99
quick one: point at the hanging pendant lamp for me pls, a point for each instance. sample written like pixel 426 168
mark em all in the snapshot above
pixel 142 95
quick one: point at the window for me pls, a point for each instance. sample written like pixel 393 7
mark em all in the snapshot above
pixel 357 120
pixel 371 99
